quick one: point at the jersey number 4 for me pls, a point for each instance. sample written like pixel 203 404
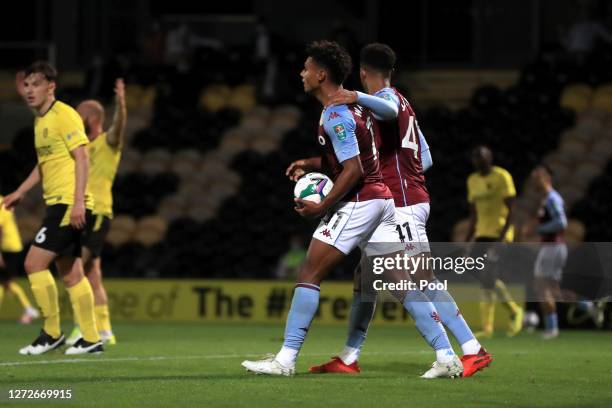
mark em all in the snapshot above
pixel 410 138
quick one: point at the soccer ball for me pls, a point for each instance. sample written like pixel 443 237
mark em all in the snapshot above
pixel 531 321
pixel 313 187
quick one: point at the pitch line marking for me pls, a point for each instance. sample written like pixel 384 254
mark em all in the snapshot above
pixel 170 358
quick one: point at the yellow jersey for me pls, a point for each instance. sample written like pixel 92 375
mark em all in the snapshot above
pixel 103 163
pixel 9 233
pixel 488 193
pixel 56 134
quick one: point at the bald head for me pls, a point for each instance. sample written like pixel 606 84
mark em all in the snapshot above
pixel 92 113
pixel 482 158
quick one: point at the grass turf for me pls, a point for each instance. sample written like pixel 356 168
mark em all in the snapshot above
pixel 199 364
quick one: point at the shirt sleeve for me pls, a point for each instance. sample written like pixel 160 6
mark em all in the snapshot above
pixel 384 104
pixel 341 131
pixel 507 185
pixel 426 159
pixel 72 130
pixel 558 221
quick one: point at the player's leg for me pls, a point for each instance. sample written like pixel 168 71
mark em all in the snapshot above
pixel 79 290
pixel 45 293
pixel 320 260
pixel 351 225
pixel 415 302
pixel 548 307
pixel 486 277
pixel 415 217
pixel 94 274
pixel 548 272
pixel 498 253
pixel 11 260
pixel 362 312
pixel 93 244
pixel 2 286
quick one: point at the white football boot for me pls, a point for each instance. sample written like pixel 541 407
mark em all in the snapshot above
pixel 84 347
pixel 269 366
pixel 452 369
pixel 42 344
pixel 550 334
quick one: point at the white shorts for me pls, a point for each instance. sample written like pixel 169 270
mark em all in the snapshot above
pixel 550 261
pixel 352 224
pixel 411 224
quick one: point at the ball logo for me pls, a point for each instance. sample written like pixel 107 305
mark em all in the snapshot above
pixel 321 140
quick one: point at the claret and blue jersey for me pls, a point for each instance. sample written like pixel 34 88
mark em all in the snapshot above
pixel 346 131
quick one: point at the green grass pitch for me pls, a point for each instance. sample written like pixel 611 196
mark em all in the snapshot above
pixel 199 365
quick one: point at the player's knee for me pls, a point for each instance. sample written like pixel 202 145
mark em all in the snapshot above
pixel 32 265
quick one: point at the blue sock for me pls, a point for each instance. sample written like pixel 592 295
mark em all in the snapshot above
pixel 359 320
pixel 450 315
pixel 303 308
pixel 551 322
pixel 426 319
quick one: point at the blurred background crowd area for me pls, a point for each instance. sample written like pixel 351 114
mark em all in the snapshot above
pixel 217 111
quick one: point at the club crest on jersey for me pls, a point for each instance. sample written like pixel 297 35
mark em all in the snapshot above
pixel 333 115
pixel 340 131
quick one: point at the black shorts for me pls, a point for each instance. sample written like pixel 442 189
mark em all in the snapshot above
pixel 488 247
pixel 11 260
pixel 63 240
pixel 95 234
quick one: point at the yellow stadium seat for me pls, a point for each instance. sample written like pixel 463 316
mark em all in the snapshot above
pixel 576 97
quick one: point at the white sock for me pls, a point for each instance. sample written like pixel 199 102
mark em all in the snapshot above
pixel 471 347
pixel 349 355
pixel 287 356
pixel 445 355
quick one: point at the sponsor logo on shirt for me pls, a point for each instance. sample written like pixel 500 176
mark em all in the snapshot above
pixel 326 233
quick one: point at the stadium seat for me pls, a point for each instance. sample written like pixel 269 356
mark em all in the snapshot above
pixel 576 97
pixel 150 230
pixel 121 230
pixel 575 231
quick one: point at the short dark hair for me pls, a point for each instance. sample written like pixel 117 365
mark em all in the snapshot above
pixel 547 168
pixel 379 57
pixel 42 67
pixel 331 56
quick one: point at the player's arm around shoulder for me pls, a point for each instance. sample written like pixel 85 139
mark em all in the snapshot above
pixel 116 132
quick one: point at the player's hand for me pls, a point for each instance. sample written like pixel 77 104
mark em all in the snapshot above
pixel 77 215
pixel 309 209
pixel 343 97
pixel 296 170
pixel 19 83
pixel 120 91
pixel 10 201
